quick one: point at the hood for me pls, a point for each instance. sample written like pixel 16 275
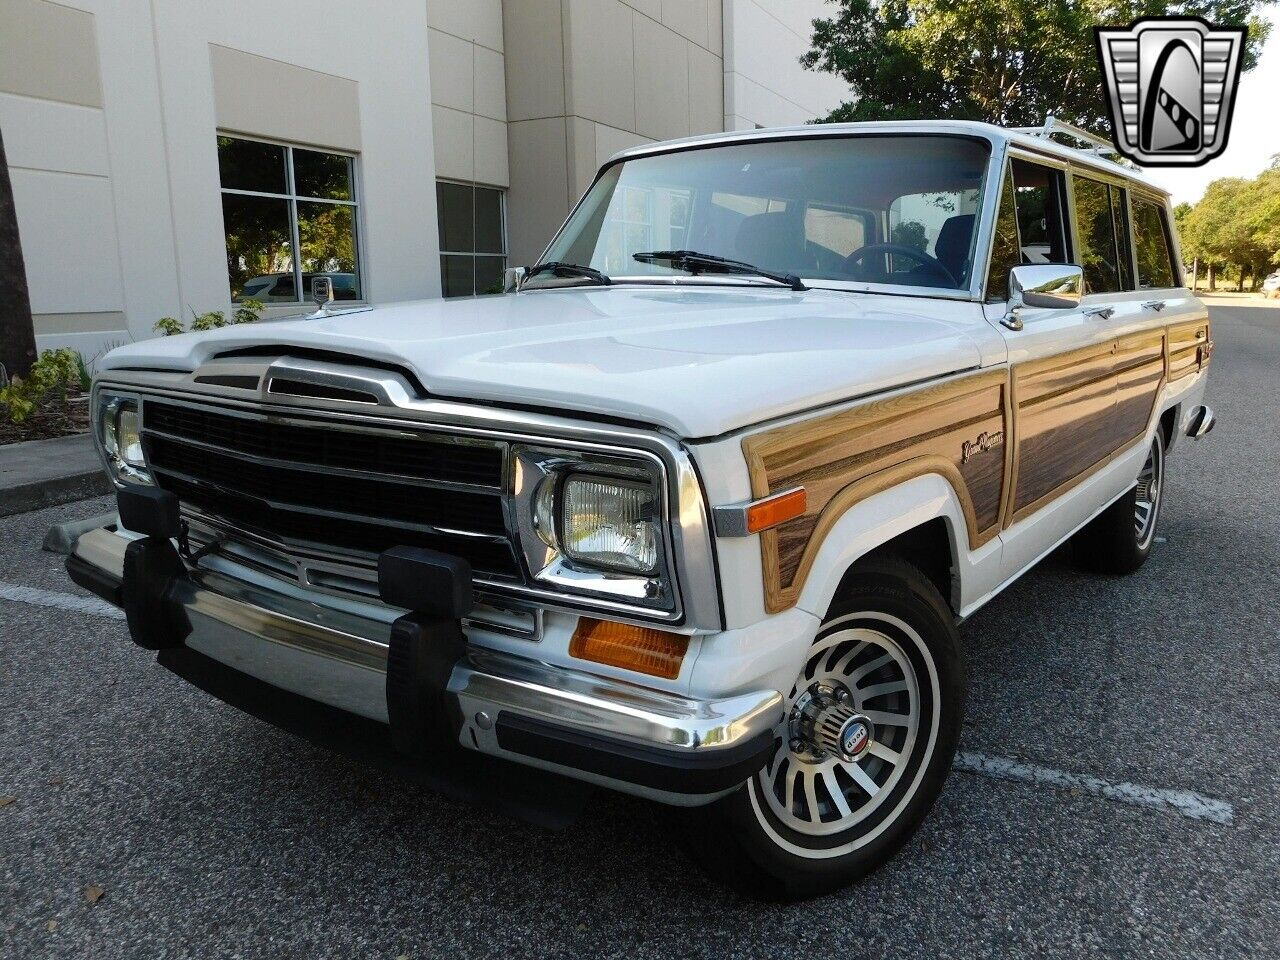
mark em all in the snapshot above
pixel 699 362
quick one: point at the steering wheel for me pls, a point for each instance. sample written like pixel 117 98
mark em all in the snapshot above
pixel 931 264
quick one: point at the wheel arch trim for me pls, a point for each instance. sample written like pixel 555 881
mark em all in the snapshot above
pixel 876 520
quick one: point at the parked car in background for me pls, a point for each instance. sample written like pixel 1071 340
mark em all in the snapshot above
pixel 694 512
pixel 282 287
pixel 1271 286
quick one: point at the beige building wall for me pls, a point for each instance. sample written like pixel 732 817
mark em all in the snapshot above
pixel 55 134
pixel 111 109
pixel 468 90
pixel 764 84
pixel 587 78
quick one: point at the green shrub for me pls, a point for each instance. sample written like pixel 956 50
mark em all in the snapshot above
pixel 55 372
pixel 249 311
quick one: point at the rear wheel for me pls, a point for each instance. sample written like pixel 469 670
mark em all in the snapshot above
pixel 1120 539
pixel 868 738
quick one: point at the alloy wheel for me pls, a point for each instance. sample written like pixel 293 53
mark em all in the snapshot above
pixel 860 719
pixel 1146 506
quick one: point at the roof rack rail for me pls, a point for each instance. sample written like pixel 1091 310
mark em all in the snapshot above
pixel 1053 125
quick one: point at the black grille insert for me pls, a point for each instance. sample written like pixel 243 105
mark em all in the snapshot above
pixel 269 478
pixel 485 556
pixel 423 458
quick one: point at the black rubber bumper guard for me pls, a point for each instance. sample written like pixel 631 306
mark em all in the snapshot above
pixel 421 740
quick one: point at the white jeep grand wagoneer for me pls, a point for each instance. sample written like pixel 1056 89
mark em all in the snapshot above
pixel 691 512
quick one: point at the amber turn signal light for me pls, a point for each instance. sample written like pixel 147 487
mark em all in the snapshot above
pixel 642 649
pixel 775 510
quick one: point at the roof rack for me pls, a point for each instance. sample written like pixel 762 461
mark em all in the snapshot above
pixel 1053 125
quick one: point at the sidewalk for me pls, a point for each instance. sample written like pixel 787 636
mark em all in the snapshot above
pixel 44 473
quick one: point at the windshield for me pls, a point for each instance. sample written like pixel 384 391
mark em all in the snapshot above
pixel 866 209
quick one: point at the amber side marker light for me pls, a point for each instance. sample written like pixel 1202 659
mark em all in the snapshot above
pixel 775 510
pixel 642 649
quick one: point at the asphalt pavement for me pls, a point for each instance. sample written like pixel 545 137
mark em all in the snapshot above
pixel 139 818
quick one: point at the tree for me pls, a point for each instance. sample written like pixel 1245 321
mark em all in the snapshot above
pixel 1010 62
pixel 1235 224
pixel 17 334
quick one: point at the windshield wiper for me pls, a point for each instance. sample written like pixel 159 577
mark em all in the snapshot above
pixel 695 263
pixel 560 269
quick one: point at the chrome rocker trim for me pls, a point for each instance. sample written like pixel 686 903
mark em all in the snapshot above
pixel 509 706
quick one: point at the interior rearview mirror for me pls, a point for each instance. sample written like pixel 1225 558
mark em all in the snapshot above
pixel 1050 286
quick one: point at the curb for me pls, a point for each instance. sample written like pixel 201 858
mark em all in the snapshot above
pixel 45 473
pixel 53 492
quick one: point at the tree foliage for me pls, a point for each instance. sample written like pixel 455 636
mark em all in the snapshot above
pixel 1011 62
pixel 1236 223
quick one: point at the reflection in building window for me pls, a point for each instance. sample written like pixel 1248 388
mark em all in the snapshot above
pixel 290 215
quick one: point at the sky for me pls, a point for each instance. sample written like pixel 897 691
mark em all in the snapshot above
pixel 1255 129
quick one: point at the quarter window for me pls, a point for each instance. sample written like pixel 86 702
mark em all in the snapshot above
pixel 1151 242
pixel 1096 226
pixel 473 238
pixel 289 215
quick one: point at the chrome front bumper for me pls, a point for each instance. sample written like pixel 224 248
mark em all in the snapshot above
pixel 628 737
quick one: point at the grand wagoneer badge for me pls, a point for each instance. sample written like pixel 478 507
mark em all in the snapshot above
pixel 1171 84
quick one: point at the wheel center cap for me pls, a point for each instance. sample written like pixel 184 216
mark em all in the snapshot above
pixel 855 737
pixel 825 723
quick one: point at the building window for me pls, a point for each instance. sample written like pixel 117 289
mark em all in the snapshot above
pixel 290 215
pixel 473 238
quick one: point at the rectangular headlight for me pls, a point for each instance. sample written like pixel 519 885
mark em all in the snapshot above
pixel 119 424
pixel 610 523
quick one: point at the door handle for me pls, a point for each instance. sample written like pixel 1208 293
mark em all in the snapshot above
pixel 1156 305
pixel 1100 313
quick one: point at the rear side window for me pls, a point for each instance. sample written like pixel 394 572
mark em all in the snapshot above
pixel 1096 226
pixel 1151 243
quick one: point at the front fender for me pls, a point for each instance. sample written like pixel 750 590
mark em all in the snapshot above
pixel 873 522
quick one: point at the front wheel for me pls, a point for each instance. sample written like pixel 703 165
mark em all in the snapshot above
pixel 1120 539
pixel 867 741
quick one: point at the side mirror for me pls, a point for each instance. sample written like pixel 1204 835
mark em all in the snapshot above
pixel 512 277
pixel 322 291
pixel 1050 286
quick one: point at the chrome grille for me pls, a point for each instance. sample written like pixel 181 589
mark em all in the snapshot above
pixel 331 486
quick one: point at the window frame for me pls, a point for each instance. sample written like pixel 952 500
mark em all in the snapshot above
pixel 292 197
pixel 1112 184
pixel 1066 201
pixel 1171 241
pixel 998 151
pixel 505 256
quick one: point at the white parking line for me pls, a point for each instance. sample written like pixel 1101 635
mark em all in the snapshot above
pixel 60 601
pixel 1193 805
pixel 1189 804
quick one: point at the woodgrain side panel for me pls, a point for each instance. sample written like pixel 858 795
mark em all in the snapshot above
pixel 1139 377
pixel 1009 442
pixel 1074 411
pixel 1189 349
pixel 847 456
pixel 1063 419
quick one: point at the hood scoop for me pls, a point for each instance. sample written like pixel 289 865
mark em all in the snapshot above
pixel 292 387
pixel 307 378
